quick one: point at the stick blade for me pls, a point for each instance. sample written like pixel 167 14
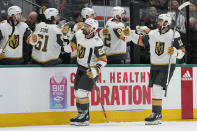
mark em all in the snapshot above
pixel 184 5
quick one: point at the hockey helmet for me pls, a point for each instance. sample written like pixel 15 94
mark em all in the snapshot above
pixel 87 12
pixel 14 10
pixel 92 22
pixel 51 12
pixel 117 11
pixel 165 17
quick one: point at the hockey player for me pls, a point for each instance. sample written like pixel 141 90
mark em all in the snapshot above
pixel 115 36
pixel 115 45
pixel 47 40
pixel 67 29
pixel 13 38
pixel 86 13
pixel 90 54
pixel 161 49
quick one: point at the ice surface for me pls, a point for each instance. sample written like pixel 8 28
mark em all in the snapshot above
pixel 113 126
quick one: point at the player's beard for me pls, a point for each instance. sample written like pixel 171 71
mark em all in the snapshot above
pixel 85 32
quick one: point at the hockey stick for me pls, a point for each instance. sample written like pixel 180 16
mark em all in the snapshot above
pixel 62 5
pixel 94 84
pixel 169 66
pixel 34 4
pixel 2 54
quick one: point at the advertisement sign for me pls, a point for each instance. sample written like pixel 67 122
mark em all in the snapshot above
pixel 44 90
pixel 58 93
pixel 187 92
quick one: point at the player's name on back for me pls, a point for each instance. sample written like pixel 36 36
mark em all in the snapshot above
pixel 44 30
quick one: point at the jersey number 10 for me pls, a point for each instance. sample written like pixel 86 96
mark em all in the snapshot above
pixel 40 42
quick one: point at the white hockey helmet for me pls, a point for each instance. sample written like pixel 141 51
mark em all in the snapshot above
pixel 51 12
pixel 117 10
pixel 92 22
pixel 14 10
pixel 87 12
pixel 165 17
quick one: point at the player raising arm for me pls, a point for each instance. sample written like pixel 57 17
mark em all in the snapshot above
pixel 115 36
pixel 161 51
pixel 90 54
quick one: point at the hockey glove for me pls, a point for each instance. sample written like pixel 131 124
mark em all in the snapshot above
pixel 93 73
pixel 65 29
pixel 126 31
pixel 142 30
pixel 34 38
pixel 172 51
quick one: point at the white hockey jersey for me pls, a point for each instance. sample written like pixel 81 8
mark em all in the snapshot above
pixel 115 36
pixel 83 46
pixel 48 44
pixel 14 49
pixel 159 44
pixel 113 44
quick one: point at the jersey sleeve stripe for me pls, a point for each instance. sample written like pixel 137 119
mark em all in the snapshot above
pixel 103 58
pixel 139 39
pixel 73 46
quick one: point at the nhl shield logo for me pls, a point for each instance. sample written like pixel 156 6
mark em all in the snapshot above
pixel 14 41
pixel 159 48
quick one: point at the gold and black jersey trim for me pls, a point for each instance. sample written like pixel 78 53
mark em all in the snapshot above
pixel 119 53
pixel 102 58
pixel 19 57
pixel 73 46
pixel 79 25
pixel 43 62
pixel 161 64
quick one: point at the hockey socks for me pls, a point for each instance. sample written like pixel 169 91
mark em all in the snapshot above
pixel 155 116
pixel 156 105
pixel 78 105
pixel 82 118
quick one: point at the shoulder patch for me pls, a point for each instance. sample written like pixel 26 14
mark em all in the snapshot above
pixel 65 29
pixel 79 25
pixel 126 31
pixel 105 32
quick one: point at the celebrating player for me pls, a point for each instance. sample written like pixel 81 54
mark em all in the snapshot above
pixel 115 36
pixel 90 59
pixel 161 51
pixel 13 38
pixel 47 40
pixel 86 13
pixel 115 45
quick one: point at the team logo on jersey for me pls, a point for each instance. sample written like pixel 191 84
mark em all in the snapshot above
pixel 14 41
pixel 105 32
pixel 81 51
pixel 159 48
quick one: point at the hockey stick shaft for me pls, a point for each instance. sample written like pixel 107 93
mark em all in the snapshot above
pixel 13 29
pixel 62 5
pixel 169 66
pixel 103 108
pixel 168 77
pixel 34 4
pixel 94 85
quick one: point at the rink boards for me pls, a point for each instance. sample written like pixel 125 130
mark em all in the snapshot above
pixel 34 95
